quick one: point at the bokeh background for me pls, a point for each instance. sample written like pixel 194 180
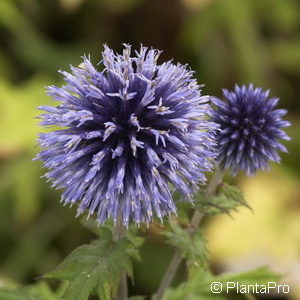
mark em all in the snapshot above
pixel 224 41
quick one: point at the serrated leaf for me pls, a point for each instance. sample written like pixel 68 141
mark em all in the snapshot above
pixel 183 209
pixel 91 224
pixel 198 287
pixel 95 269
pixel 192 245
pixel 131 234
pixel 228 198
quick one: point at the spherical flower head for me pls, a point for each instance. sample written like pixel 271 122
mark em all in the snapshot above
pixel 250 129
pixel 126 136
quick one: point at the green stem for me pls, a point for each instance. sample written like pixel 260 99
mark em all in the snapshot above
pixel 122 293
pixel 195 221
pixel 123 289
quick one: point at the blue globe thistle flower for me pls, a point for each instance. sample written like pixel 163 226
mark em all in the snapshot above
pixel 249 129
pixel 125 134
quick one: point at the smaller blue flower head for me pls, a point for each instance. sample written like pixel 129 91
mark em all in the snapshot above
pixel 250 129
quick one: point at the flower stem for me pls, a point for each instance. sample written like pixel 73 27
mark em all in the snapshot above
pixel 195 222
pixel 122 289
pixel 122 292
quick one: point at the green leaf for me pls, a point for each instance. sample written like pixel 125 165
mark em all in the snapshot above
pixel 228 198
pixel 198 287
pixel 37 291
pixel 91 224
pixel 95 269
pixel 43 291
pixel 191 244
pixel 260 276
pixel 135 241
pixel 183 211
pixel 131 234
pixel 16 294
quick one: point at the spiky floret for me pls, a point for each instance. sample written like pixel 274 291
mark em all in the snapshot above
pixel 127 132
pixel 250 128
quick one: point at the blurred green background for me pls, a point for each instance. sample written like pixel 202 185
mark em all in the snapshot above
pixel 224 41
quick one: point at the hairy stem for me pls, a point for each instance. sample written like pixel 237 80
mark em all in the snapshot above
pixel 195 221
pixel 122 289
pixel 122 292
